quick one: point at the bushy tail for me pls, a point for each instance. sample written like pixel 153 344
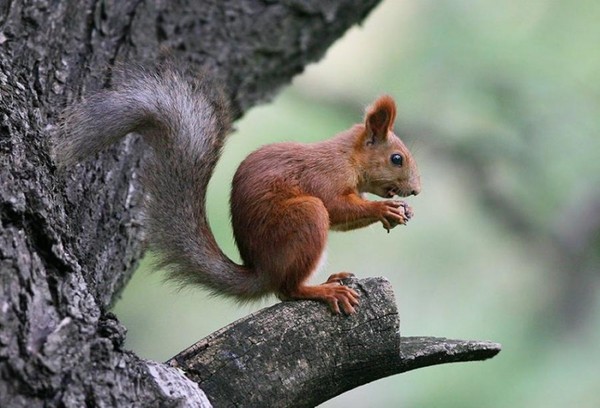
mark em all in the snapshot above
pixel 186 123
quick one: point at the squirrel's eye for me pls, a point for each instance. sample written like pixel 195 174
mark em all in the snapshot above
pixel 396 159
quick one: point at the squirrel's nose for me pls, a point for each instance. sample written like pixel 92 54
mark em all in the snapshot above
pixel 415 191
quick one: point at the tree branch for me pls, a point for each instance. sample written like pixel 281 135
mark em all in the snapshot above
pixel 299 354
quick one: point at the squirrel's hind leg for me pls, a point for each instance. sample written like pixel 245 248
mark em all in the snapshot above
pixel 305 226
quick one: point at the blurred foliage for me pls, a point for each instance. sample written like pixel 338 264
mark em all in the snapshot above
pixel 499 102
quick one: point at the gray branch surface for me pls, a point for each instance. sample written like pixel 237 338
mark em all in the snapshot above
pixel 298 354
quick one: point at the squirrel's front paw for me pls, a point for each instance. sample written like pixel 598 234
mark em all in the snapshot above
pixel 394 213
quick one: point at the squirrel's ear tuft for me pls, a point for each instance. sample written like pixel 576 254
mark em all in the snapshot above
pixel 380 118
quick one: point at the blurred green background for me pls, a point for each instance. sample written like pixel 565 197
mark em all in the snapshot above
pixel 499 102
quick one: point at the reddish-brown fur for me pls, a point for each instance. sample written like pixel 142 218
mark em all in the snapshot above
pixel 286 196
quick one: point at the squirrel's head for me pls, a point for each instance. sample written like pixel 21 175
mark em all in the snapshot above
pixel 388 168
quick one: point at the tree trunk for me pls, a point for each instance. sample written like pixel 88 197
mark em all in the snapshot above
pixel 69 244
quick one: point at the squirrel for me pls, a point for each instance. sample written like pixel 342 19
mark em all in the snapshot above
pixel 284 198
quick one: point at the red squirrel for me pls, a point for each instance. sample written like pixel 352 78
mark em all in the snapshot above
pixel 284 198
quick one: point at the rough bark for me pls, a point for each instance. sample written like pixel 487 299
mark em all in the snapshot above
pixel 68 244
pixel 298 354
